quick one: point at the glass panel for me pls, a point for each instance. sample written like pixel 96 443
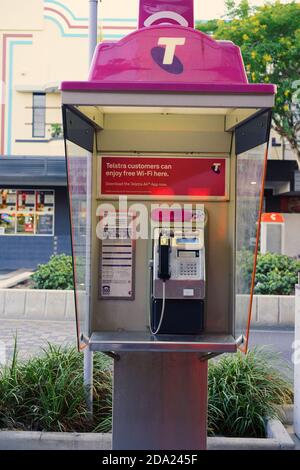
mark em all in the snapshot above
pixel 79 182
pixel 38 115
pixel 44 224
pixel 8 204
pixel 26 212
pixel 8 199
pixel 45 212
pixel 26 200
pixel 25 224
pixel 7 223
pixel 45 201
pixel 250 173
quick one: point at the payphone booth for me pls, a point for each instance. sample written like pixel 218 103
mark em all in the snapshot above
pixel 166 146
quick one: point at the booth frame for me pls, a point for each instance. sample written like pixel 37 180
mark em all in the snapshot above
pixel 140 102
pixel 161 382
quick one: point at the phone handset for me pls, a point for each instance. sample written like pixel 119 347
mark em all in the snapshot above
pixel 164 246
pixel 164 257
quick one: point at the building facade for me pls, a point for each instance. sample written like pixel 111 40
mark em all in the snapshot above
pixel 43 42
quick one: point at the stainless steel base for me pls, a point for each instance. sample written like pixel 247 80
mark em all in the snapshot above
pixel 144 341
pixel 160 402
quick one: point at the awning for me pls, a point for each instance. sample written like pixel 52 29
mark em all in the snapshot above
pixel 32 171
pixel 283 178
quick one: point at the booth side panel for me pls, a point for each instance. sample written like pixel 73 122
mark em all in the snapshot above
pixel 232 238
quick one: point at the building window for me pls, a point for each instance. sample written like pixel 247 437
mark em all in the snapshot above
pixel 26 212
pixel 39 114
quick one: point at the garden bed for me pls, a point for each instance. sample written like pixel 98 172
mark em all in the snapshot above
pixel 277 439
pixel 42 401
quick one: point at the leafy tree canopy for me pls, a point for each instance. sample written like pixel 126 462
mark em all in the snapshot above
pixel 269 38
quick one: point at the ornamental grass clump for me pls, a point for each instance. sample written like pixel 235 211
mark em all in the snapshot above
pixel 243 391
pixel 46 393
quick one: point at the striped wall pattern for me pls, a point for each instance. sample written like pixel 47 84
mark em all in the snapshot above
pixel 69 25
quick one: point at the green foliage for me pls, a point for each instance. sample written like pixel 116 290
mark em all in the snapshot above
pixel 242 391
pixel 56 130
pixel 209 27
pixel 276 274
pixel 244 269
pixel 47 393
pixel 56 274
pixel 242 10
pixel 269 38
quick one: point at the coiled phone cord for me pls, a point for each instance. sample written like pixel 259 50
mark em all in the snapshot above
pixel 162 311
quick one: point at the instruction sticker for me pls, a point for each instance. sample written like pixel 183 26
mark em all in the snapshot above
pixel 116 263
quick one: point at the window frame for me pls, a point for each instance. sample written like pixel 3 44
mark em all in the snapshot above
pixel 34 109
pixel 35 214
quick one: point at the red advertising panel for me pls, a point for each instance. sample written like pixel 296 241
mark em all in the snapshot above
pixel 164 176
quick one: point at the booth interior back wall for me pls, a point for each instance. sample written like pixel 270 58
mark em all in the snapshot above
pixel 163 133
pixel 133 315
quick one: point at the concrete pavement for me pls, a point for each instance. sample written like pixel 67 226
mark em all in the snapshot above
pixel 281 340
pixel 33 336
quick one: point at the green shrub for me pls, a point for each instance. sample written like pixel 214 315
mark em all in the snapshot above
pixel 275 274
pixel 56 274
pixel 243 390
pixel 47 393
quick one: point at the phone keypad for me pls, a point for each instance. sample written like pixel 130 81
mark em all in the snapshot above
pixel 188 269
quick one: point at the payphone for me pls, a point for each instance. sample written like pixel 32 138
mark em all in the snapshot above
pixel 167 116
pixel 178 282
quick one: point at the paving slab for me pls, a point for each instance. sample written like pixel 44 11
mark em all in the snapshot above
pixel 33 336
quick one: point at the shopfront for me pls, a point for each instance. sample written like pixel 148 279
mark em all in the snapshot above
pixel 34 222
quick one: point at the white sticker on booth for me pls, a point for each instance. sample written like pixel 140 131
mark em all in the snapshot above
pixel 116 269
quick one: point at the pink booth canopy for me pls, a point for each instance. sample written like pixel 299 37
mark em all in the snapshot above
pixel 168 58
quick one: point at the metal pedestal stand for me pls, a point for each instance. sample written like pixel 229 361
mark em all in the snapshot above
pixel 160 401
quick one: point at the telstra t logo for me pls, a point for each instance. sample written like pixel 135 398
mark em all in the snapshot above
pixel 216 168
pixel 165 56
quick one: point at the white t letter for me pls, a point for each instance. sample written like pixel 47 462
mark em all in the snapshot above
pixel 170 44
